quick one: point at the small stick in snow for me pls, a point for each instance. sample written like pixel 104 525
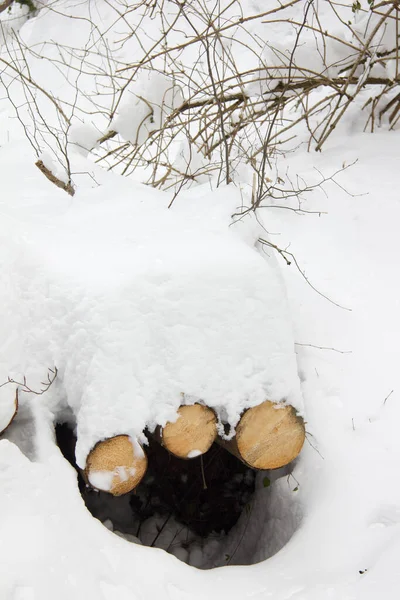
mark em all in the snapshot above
pixel 387 397
pixel 67 187
pixel 192 434
pixel 268 436
pixel 116 465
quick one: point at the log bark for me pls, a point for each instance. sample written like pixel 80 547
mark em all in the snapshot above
pixel 116 465
pixel 193 432
pixel 9 406
pixel 268 436
pixel 4 5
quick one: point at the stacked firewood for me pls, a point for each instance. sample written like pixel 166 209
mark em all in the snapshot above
pixel 268 436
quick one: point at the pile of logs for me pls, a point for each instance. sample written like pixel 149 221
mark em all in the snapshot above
pixel 268 436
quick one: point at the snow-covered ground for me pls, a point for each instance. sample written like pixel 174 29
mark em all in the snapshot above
pixel 132 301
pixel 346 485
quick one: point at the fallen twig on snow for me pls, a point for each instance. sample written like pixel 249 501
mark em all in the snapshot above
pixel 67 187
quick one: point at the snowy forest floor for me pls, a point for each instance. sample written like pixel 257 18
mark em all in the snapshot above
pixel 342 498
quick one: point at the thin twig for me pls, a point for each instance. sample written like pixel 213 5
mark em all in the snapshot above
pixel 324 348
pixel 23 386
pixel 387 397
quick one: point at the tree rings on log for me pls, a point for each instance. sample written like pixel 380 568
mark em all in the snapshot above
pixel 192 434
pixel 8 405
pixel 270 435
pixel 116 465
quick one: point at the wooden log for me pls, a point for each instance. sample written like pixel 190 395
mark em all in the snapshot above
pixel 8 405
pixel 268 436
pixel 193 432
pixel 116 465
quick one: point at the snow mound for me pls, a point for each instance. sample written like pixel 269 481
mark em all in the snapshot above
pixel 141 307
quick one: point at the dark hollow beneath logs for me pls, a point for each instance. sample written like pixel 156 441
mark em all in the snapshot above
pixel 207 493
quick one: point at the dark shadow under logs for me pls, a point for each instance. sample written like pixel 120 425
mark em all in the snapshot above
pixel 206 494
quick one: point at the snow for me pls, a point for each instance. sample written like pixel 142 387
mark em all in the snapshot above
pixel 145 106
pixel 350 516
pixel 102 480
pixel 194 453
pixel 136 304
pixel 12 21
pixel 341 498
pixel 124 473
pixel 83 136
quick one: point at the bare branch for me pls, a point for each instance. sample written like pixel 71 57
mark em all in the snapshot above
pixel 24 387
pixel 67 187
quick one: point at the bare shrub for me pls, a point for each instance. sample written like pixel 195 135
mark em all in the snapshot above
pixel 215 94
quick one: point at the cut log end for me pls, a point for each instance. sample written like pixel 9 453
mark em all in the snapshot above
pixel 193 433
pixel 270 435
pixel 116 465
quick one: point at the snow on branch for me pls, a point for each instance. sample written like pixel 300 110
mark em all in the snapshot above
pixel 211 87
